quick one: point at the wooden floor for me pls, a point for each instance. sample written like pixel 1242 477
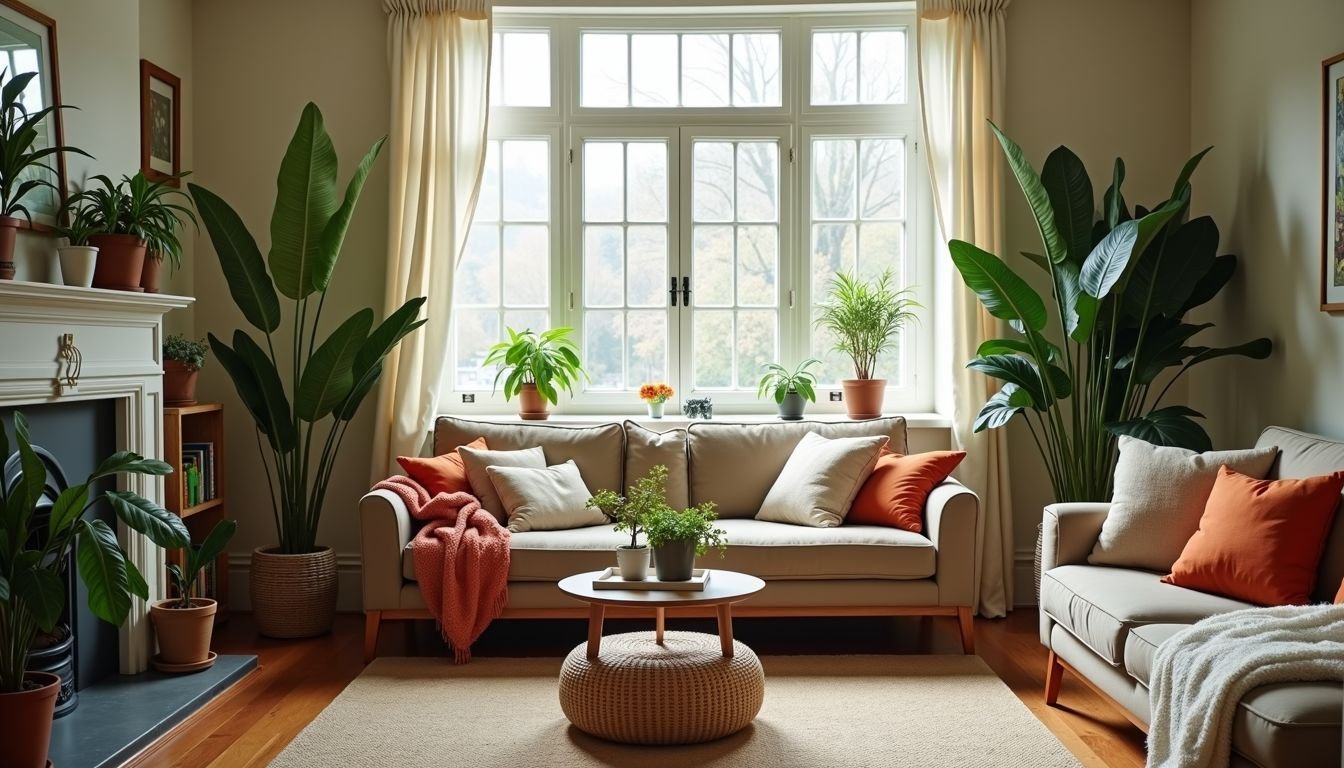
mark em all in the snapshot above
pixel 295 680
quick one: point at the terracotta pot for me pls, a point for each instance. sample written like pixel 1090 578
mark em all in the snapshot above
pixel 183 633
pixel 25 721
pixel 149 276
pixel 293 595
pixel 674 560
pixel 121 262
pixel 532 405
pixel 9 235
pixel 179 383
pixel 77 264
pixel 863 397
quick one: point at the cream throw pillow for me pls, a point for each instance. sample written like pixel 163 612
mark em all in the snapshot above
pixel 645 449
pixel 820 480
pixel 476 461
pixel 550 499
pixel 1159 497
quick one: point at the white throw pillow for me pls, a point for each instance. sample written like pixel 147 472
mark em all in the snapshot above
pixel 820 480
pixel 550 499
pixel 476 461
pixel 1159 497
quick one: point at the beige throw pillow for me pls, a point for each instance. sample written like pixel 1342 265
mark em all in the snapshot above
pixel 820 480
pixel 476 461
pixel 1159 497
pixel 550 499
pixel 645 449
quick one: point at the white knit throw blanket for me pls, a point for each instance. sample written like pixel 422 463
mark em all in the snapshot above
pixel 1201 673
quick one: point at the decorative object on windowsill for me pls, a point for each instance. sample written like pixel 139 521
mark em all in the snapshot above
pixel 699 408
pixel 628 512
pixel 160 124
pixel 654 396
pixel 33 588
pixel 134 225
pixel 1120 289
pixel 183 359
pixel 294 583
pixel 183 624
pixel 78 259
pixel 537 366
pixel 677 537
pixel 865 319
pixel 792 390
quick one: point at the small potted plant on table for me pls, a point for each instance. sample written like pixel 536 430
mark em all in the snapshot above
pixel 654 396
pixel 133 218
pixel 791 389
pixel 536 366
pixel 677 537
pixel 864 318
pixel 182 362
pixel 183 624
pixel 649 493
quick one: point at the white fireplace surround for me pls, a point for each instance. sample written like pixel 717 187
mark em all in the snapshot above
pixel 119 338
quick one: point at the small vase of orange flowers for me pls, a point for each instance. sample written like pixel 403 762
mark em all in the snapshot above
pixel 654 395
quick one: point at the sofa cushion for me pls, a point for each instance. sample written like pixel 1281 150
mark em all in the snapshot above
pixel 1141 648
pixel 820 480
pixel 440 474
pixel 1305 455
pixel 645 449
pixel 734 465
pixel 550 499
pixel 1099 605
pixel 482 486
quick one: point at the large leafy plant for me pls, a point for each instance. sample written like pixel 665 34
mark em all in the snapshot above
pixel 324 381
pixel 864 317
pixel 1121 284
pixel 136 206
pixel 23 169
pixel 548 359
pixel 34 553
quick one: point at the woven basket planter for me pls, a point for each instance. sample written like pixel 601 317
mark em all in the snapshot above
pixel 293 595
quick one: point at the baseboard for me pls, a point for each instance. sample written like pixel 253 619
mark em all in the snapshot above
pixel 349 595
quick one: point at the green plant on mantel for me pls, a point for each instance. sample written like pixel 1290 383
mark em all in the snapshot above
pixel 23 169
pixel 327 379
pixel 137 206
pixel 1121 285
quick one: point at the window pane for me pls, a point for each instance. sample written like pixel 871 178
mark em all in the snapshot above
pixel 526 264
pixel 757 181
pixel 646 257
pixel 712 264
pixel 526 181
pixel 833 180
pixel 756 73
pixel 603 190
pixel 712 342
pixel 602 347
pixel 835 68
pixel 487 202
pixel 882 178
pixel 476 282
pixel 475 331
pixel 704 70
pixel 713 190
pixel 756 345
pixel 757 266
pixel 653 70
pixel 833 250
pixel 526 319
pixel 881 246
pixel 882 67
pixel 646 181
pixel 605 78
pixel 646 347
pixel 526 69
pixel 603 267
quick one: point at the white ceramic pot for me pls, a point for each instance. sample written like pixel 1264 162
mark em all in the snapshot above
pixel 633 563
pixel 655 410
pixel 77 264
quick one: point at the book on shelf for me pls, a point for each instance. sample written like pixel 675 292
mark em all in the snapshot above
pixel 202 456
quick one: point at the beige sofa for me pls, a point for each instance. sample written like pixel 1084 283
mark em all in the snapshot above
pixel 845 571
pixel 1105 624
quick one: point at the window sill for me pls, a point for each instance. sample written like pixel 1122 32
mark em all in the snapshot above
pixel 670 421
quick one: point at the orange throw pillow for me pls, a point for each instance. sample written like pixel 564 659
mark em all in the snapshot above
pixel 440 474
pixel 895 492
pixel 1339 596
pixel 1260 540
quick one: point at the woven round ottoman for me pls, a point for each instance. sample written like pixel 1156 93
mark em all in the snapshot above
pixel 681 692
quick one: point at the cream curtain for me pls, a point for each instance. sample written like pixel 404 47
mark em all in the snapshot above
pixel 439 57
pixel 961 46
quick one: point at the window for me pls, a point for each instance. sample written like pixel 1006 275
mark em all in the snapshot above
pixel 679 189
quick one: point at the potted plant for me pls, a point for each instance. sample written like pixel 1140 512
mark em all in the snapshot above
pixel 791 389
pixel 678 536
pixel 183 624
pixel 131 218
pixel 654 396
pixel 628 512
pixel 23 169
pixel 33 557
pixel 182 362
pixel 536 366
pixel 301 419
pixel 78 259
pixel 864 318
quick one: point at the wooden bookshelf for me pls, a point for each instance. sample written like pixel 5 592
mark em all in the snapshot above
pixel 199 423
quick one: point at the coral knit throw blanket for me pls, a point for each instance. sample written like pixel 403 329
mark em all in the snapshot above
pixel 461 561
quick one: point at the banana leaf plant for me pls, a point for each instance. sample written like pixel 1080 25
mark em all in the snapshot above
pixel 301 391
pixel 34 553
pixel 1099 360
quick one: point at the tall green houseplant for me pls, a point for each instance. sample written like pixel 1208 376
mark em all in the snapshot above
pixel 1100 359
pixel 301 390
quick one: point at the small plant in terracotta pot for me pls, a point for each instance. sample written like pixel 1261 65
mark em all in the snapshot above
pixel 132 218
pixel 864 318
pixel 184 624
pixel 182 361
pixel 536 366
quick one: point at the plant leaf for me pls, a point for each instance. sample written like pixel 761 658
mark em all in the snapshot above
pixel 67 509
pixel 239 259
pixel 1171 426
pixel 34 481
pixel 1014 370
pixel 327 378
pixel 1070 190
pixel 1183 179
pixel 245 383
pixel 214 543
pixel 1257 349
pixel 1037 198
pixel 136 581
pixel 156 523
pixel 333 236
pixel 102 568
pixel 1107 262
pixel 305 199
pixel 1004 294
pixel 131 463
pixel 1114 201
pixel 1002 407
pixel 1218 276
pixel 280 427
pixel 43 592
pixel 4 589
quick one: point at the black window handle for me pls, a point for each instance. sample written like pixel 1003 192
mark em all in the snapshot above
pixel 673 290
pixel 685 292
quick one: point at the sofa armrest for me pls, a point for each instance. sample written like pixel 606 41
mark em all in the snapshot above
pixel 952 519
pixel 385 528
pixel 1068 533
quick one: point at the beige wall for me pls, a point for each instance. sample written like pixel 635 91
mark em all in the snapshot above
pixel 1256 96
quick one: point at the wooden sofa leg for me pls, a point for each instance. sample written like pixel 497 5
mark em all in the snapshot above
pixel 966 619
pixel 1054 675
pixel 372 619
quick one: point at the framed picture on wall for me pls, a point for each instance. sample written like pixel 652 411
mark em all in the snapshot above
pixel 160 123
pixel 28 44
pixel 1332 193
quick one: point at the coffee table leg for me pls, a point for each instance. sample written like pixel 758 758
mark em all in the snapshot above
pixel 726 629
pixel 659 623
pixel 595 615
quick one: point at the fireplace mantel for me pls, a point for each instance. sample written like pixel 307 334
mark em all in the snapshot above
pixel 60 343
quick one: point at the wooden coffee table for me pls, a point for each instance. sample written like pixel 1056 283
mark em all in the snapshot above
pixel 724 589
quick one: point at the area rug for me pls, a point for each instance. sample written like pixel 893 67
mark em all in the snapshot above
pixel 909 711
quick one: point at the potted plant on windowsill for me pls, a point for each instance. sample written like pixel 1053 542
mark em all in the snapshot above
pixel 183 360
pixel 300 421
pixel 792 390
pixel 647 494
pixel 864 318
pixel 183 624
pixel 133 218
pixel 536 366
pixel 78 259
pixel 655 396
pixel 678 536
pixel 33 559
